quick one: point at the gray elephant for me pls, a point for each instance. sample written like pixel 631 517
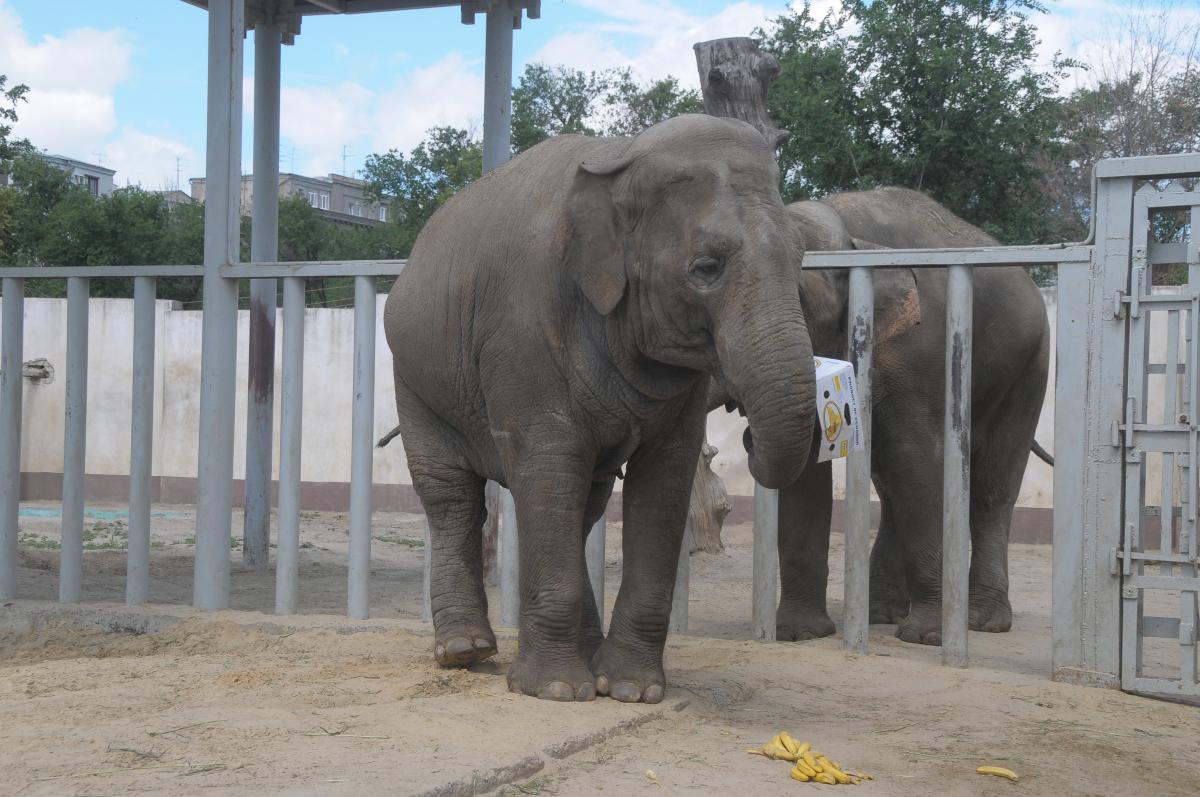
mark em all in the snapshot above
pixel 557 322
pixel 1009 367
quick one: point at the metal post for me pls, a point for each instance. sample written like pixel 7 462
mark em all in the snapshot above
pixel 291 399
pixel 593 554
pixel 426 600
pixel 858 471
pixel 497 85
pixel 214 500
pixel 679 599
pixel 70 563
pixel 510 594
pixel 361 447
pixel 956 476
pixel 766 562
pixel 141 444
pixel 11 352
pixel 264 246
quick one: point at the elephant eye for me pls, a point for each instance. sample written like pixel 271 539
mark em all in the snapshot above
pixel 704 271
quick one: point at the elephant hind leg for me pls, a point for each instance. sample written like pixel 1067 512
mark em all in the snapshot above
pixel 889 585
pixel 453 498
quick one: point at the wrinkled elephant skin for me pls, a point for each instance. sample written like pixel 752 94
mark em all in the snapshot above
pixel 558 321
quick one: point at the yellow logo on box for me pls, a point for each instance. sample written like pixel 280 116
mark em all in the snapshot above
pixel 845 448
pixel 833 421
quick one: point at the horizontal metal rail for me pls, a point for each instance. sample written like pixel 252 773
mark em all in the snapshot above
pixel 978 256
pixel 252 270
pixel 116 272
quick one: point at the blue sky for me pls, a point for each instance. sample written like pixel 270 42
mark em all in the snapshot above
pixel 123 81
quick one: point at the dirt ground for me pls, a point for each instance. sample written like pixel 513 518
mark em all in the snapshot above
pixel 240 702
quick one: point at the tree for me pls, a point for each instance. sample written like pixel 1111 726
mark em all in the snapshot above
pixel 941 97
pixel 419 183
pixel 634 107
pixel 9 99
pixel 552 100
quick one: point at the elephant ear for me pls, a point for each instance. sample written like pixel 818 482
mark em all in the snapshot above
pixel 897 300
pixel 594 251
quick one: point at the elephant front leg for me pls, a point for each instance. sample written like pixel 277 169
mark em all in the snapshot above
pixel 550 493
pixel 805 513
pixel 628 666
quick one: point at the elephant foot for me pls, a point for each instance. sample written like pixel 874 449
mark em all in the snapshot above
pixel 621 678
pixel 799 624
pixel 571 682
pixel 589 643
pixel 989 615
pixel 888 612
pixel 921 627
pixel 462 645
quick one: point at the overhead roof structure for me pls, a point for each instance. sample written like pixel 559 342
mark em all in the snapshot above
pixel 295 10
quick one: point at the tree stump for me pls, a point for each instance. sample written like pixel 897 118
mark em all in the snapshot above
pixel 709 505
pixel 734 78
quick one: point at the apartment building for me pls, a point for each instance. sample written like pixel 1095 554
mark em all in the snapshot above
pixel 336 198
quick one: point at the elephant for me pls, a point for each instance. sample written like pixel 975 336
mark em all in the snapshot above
pixel 1009 371
pixel 555 329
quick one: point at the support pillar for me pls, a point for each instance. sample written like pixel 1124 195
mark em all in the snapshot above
pixel 214 501
pixel 264 246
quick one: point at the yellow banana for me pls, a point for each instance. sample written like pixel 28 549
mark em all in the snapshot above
pixel 812 762
pixel 838 775
pixel 798 775
pixel 803 748
pixel 825 777
pixel 806 769
pixel 999 772
pixel 789 744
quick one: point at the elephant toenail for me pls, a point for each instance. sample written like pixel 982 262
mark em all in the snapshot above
pixel 653 694
pixel 626 692
pixel 586 692
pixel 458 647
pixel 557 690
pixel 439 651
pixel 483 644
pixel 602 684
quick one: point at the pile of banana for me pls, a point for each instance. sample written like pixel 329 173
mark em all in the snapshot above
pixel 809 764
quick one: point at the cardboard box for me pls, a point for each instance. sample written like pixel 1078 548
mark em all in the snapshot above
pixel 837 409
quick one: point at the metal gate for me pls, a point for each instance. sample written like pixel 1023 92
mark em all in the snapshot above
pixel 1158 561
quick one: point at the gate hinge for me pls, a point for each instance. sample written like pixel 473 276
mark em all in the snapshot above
pixel 1119 430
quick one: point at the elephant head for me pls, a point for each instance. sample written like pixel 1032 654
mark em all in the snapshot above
pixel 680 238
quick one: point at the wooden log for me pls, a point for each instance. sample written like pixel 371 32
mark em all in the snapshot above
pixel 734 78
pixel 709 506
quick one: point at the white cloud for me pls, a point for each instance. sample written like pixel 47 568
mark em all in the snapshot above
pixel 448 92
pixel 149 160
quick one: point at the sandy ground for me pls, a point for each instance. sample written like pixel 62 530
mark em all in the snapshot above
pixel 239 702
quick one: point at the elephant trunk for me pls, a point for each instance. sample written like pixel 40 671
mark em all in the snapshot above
pixel 767 360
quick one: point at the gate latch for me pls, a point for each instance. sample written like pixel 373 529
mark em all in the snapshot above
pixel 1120 299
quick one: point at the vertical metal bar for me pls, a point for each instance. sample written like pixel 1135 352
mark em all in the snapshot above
pixel 593 553
pixel 679 600
pixel 362 446
pixel 70 563
pixel 11 351
pixel 426 598
pixel 141 444
pixel 264 246
pixel 497 86
pixel 510 562
pixel 291 402
pixel 214 500
pixel 765 577
pixel 1166 525
pixel 856 627
pixel 956 485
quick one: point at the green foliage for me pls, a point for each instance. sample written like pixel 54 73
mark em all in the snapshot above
pixel 9 99
pixel 550 101
pixel 940 97
pixel 420 182
pixel 634 107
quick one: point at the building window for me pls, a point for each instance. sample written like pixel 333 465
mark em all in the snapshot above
pixel 356 209
pixel 312 198
pixel 382 213
pixel 324 201
pixel 93 185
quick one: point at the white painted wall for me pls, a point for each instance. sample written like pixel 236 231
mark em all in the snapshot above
pixel 328 358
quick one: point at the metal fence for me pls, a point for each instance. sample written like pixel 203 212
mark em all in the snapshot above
pixel 1099 555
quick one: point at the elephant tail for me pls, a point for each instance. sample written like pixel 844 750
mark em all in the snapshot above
pixel 387 438
pixel 1042 454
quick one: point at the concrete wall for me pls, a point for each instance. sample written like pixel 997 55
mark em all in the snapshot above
pixel 329 341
